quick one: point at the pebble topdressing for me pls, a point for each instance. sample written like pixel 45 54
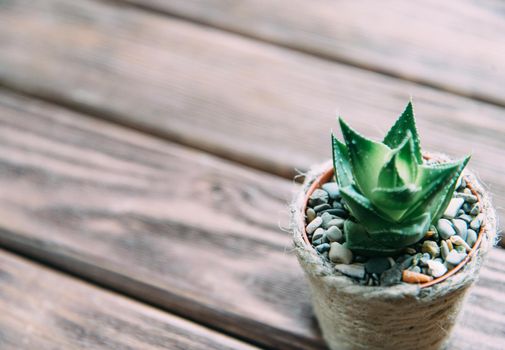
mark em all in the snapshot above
pixel 444 246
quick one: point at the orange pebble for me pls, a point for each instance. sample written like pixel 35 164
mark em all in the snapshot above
pixel 429 234
pixel 415 277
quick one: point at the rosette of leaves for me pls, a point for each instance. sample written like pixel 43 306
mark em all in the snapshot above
pixel 392 194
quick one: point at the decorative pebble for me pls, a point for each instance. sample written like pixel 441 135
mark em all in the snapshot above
pixel 414 277
pixel 332 189
pixel 449 244
pixel 431 247
pixel 475 224
pixel 321 207
pixel 461 228
pixel 391 276
pixel 436 268
pixel 467 197
pixel 354 270
pixel 335 222
pixel 337 205
pixel 311 214
pixel 377 265
pixel 453 207
pixel 458 241
pixel 340 254
pixel 338 212
pixel 460 249
pixel 467 207
pixel 455 257
pixel 471 238
pixel 444 250
pixel 318 234
pixel 333 234
pixel 445 229
pixel 475 209
pixel 467 218
pixel 313 225
pixel 318 197
pixel 322 248
pixel 326 219
pixel 424 259
pixel 416 269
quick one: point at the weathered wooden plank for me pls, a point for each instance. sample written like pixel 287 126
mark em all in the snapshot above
pixel 223 93
pixel 43 309
pixel 177 228
pixel 453 45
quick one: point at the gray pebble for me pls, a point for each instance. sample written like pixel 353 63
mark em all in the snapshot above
pixel 460 242
pixel 332 189
pixel 455 257
pixel 391 276
pixel 354 270
pixel 313 225
pixel 321 207
pixel 460 248
pixel 318 197
pixel 335 222
pixel 468 197
pixel 323 248
pixel 318 234
pixel 377 265
pixel 416 269
pixel 311 214
pixel 424 259
pixel 444 249
pixel 436 269
pixel 475 224
pixel 466 218
pixel 467 207
pixel 338 212
pixel 471 238
pixel 475 209
pixel 333 234
pixel 453 207
pixel 340 254
pixel 337 205
pixel 461 227
pixel 319 241
pixel 445 229
pixel 326 219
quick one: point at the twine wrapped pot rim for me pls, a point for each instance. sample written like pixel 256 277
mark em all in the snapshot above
pixel 322 173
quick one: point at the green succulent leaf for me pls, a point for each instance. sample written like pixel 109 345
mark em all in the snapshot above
pixel 396 198
pixel 398 132
pixel 437 182
pixel 389 175
pixel 405 159
pixel 366 157
pixel 393 196
pixel 341 163
pixel 388 232
pixel 360 242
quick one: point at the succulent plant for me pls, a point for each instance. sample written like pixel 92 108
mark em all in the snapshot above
pixel 392 194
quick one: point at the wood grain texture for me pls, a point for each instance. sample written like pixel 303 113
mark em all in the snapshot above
pixel 42 309
pixel 453 45
pixel 179 229
pixel 268 107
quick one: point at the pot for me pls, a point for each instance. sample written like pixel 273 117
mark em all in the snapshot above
pixel 403 316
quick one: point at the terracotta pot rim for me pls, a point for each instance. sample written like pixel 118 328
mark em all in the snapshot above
pixel 327 175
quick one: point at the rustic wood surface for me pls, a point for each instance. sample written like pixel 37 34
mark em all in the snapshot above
pixel 141 152
pixel 42 309
pixel 221 93
pixel 108 213
pixel 454 45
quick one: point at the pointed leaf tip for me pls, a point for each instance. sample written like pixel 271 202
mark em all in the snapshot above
pixel 397 133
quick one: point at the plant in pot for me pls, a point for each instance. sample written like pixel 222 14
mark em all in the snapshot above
pixel 390 239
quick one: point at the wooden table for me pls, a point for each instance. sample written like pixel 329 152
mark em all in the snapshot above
pixel 147 150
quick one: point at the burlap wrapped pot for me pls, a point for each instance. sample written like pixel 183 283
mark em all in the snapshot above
pixel 404 316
